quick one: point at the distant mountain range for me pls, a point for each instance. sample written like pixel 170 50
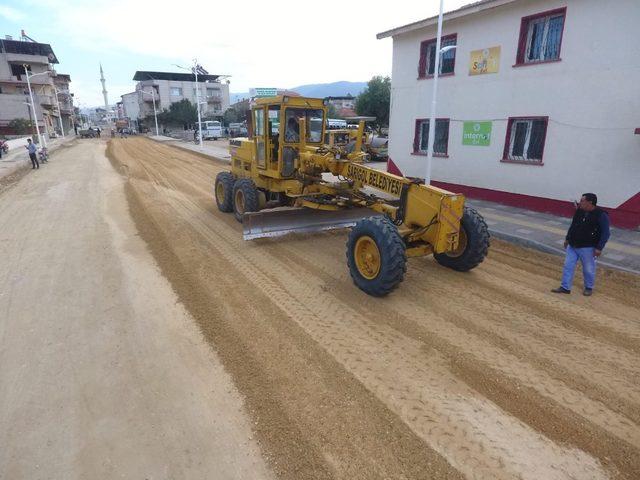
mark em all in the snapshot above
pixel 317 90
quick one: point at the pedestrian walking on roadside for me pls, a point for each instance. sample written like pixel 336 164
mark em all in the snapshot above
pixel 586 238
pixel 75 129
pixel 31 148
pixel 98 131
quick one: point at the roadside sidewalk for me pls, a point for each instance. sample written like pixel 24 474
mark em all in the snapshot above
pixel 218 149
pixel 18 159
pixel 547 232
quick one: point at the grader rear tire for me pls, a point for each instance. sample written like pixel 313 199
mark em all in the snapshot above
pixel 245 198
pixel 376 255
pixel 473 246
pixel 223 191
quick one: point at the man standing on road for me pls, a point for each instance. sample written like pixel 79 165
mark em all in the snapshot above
pixel 586 238
pixel 31 148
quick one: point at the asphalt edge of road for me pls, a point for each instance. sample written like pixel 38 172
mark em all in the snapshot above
pixel 529 243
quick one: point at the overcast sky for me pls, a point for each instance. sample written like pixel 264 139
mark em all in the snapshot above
pixel 259 43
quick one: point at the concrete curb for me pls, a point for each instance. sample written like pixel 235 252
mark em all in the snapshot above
pixel 527 242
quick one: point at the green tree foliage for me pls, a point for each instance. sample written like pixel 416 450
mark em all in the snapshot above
pixel 332 112
pixel 180 113
pixel 21 125
pixel 231 115
pixel 375 100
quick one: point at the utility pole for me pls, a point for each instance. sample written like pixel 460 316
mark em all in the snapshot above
pixel 432 118
pixel 41 140
pixel 55 90
pixel 195 70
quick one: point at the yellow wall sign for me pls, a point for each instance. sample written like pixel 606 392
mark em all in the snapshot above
pixel 486 60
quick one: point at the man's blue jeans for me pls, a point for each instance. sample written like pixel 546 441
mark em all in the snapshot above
pixel 588 260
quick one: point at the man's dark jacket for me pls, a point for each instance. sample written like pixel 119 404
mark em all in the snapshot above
pixel 589 229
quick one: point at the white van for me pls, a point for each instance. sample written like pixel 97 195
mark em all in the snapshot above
pixel 211 129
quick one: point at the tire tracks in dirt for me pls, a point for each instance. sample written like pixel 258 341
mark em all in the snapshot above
pixel 448 366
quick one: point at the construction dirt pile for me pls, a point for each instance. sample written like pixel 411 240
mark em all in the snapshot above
pixel 483 375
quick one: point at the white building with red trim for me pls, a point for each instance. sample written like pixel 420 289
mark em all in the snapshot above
pixel 538 103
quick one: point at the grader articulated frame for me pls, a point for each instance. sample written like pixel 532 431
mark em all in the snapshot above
pixel 314 187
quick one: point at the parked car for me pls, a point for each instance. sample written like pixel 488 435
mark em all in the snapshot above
pixel 378 149
pixel 87 133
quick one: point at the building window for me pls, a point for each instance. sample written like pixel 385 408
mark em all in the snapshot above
pixel 175 91
pixel 541 37
pixel 427 63
pixel 421 138
pixel 18 70
pixel 525 140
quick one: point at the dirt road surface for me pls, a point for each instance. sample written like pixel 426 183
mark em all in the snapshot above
pixel 103 374
pixel 484 375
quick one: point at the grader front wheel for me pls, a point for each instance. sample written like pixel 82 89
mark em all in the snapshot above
pixel 223 190
pixel 473 245
pixel 245 198
pixel 376 256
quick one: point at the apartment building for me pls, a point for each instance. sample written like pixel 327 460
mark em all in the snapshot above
pixel 46 85
pixel 345 106
pixel 130 106
pixel 168 87
pixel 61 83
pixel 537 103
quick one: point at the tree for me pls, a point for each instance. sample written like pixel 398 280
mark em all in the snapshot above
pixel 21 126
pixel 231 115
pixel 375 100
pixel 331 111
pixel 182 113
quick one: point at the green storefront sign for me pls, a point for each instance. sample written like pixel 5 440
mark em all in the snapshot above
pixel 266 92
pixel 476 134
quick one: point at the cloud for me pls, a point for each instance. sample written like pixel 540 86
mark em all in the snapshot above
pixel 270 44
pixel 261 43
pixel 11 13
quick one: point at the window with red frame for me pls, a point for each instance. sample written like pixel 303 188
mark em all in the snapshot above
pixel 421 138
pixel 426 66
pixel 525 139
pixel 541 37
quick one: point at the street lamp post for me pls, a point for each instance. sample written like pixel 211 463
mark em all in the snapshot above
pixel 155 113
pixel 432 118
pixel 41 139
pixel 194 70
pixel 59 111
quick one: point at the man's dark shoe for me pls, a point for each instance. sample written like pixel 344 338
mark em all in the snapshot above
pixel 587 292
pixel 561 290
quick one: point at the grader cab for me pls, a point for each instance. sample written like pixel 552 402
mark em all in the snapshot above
pixel 285 179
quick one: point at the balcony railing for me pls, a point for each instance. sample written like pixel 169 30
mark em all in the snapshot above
pixel 22 79
pixel 148 97
pixel 47 100
pixel 26 58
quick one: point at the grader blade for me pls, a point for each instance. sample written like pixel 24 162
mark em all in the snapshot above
pixel 285 220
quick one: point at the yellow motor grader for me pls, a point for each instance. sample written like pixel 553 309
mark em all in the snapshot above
pixel 284 179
